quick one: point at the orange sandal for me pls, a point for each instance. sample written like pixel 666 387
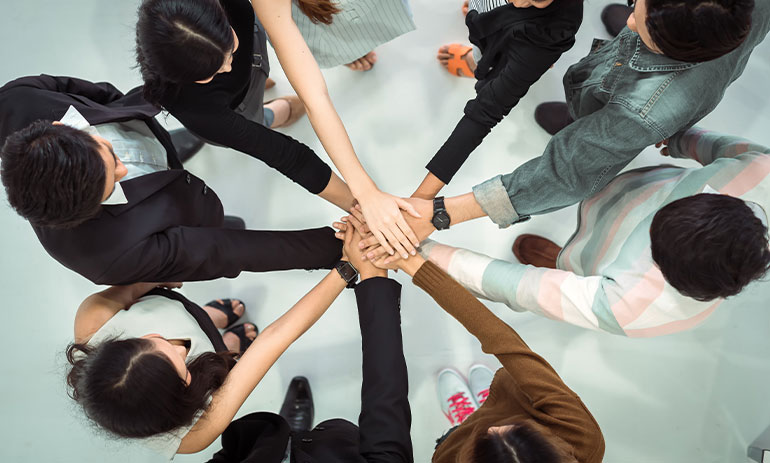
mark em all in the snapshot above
pixel 465 8
pixel 456 62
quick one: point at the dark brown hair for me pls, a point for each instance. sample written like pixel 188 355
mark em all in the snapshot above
pixel 520 443
pixel 709 246
pixel 319 11
pixel 131 390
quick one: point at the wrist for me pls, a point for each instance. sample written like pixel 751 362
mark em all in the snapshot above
pixel 412 264
pixel 367 273
pixel 463 208
pixel 363 189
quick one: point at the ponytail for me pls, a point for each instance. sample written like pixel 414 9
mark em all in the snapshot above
pixel 319 11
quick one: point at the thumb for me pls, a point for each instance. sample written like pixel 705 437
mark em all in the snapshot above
pixel 407 206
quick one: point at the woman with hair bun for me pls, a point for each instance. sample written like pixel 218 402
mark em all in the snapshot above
pixel 196 63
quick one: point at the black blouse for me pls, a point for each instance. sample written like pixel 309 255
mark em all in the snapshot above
pixel 209 111
pixel 518 45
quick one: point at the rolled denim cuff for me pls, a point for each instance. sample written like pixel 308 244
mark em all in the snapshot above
pixel 493 199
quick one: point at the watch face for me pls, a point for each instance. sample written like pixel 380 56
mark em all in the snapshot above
pixel 441 221
pixel 347 271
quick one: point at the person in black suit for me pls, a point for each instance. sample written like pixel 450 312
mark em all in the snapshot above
pixel 161 224
pixel 382 434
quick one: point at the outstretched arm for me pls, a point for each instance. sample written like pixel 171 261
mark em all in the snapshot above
pixel 706 146
pixel 381 210
pixel 99 307
pixel 269 345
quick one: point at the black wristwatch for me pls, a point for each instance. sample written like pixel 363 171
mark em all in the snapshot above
pixel 347 272
pixel 440 218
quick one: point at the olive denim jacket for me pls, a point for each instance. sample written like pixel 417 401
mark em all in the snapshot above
pixel 623 98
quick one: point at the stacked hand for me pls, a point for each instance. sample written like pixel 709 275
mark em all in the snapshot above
pixel 382 214
pixel 421 225
pixel 355 233
pixel 351 236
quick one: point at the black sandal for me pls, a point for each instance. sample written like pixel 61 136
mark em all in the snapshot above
pixel 240 331
pixel 226 307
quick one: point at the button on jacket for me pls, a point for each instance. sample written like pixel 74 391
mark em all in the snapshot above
pixel 624 98
pixel 171 227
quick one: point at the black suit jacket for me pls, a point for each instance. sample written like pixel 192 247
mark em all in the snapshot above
pixel 383 432
pixel 170 230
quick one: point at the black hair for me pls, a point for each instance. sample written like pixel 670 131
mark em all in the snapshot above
pixel 698 30
pixel 180 41
pixel 709 246
pixel 520 443
pixel 132 390
pixel 53 175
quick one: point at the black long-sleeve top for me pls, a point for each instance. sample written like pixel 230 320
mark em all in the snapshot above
pixel 518 45
pixel 209 111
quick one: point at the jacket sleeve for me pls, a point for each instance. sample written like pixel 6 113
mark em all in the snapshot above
pixel 580 160
pixel 385 417
pixel 102 92
pixel 288 156
pixel 197 253
pixel 526 62
pixel 706 147
pixel 534 377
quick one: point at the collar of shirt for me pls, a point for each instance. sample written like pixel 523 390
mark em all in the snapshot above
pixel 74 119
pixel 118 196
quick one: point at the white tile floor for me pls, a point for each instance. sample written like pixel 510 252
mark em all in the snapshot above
pixel 693 397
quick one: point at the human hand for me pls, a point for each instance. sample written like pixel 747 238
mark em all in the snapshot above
pixel 349 232
pixel 382 214
pixel 410 265
pixel 664 144
pixel 422 226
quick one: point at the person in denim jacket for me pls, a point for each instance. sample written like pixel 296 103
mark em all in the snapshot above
pixel 636 90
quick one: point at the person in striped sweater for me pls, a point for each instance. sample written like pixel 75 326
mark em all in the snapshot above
pixel 655 252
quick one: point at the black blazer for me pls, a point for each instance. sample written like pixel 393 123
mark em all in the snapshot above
pixel 383 432
pixel 170 230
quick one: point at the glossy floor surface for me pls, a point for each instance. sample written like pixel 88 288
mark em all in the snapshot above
pixel 699 396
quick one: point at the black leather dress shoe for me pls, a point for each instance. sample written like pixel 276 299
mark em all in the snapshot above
pixel 614 17
pixel 187 144
pixel 297 408
pixel 553 116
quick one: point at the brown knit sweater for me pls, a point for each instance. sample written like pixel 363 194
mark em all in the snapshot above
pixel 527 387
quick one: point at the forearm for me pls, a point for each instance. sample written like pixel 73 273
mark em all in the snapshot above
pixel 269 345
pixel 463 208
pixel 305 77
pixel 429 188
pixel 385 416
pixel 338 193
pixel 706 146
pixel 465 138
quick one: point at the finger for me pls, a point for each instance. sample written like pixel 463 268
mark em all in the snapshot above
pixel 397 239
pixel 368 242
pixel 383 241
pixel 658 144
pixel 407 206
pixel 356 223
pixel 665 152
pixel 348 235
pixel 404 227
pixel 376 253
pixel 341 226
pixel 358 214
pixel 340 236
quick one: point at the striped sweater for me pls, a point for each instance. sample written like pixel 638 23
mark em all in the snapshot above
pixel 360 27
pixel 605 277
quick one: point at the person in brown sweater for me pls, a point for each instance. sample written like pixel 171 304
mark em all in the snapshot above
pixel 530 414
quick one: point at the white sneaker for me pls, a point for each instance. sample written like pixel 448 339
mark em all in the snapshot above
pixel 479 380
pixel 455 396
